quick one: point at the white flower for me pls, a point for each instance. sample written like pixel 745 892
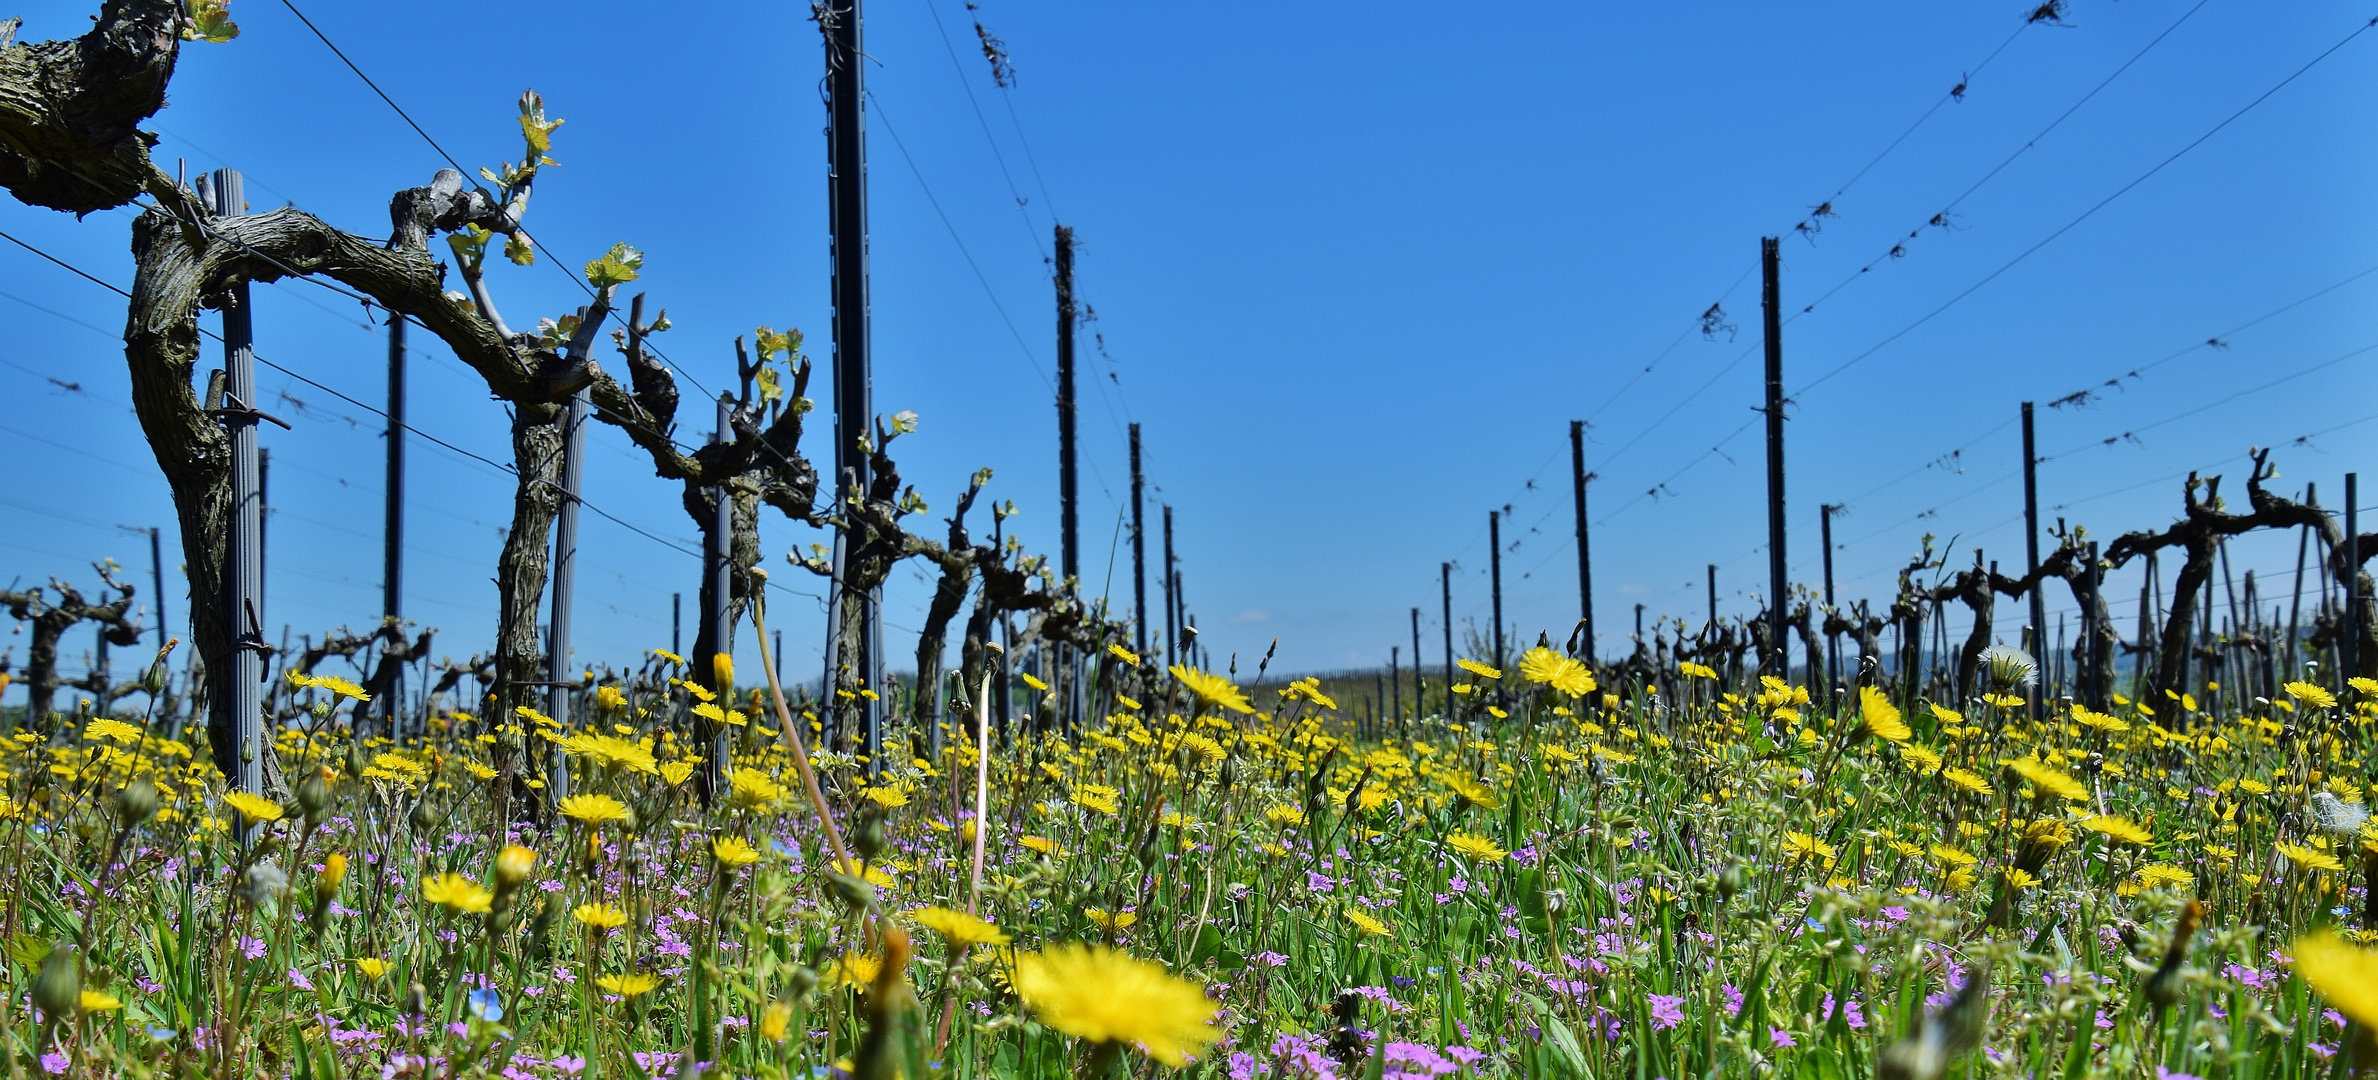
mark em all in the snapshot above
pixel 2009 668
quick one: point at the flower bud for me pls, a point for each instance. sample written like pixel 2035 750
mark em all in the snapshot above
pixel 1731 881
pixel 313 793
pixel 424 817
pixel 137 802
pixel 326 883
pixel 868 840
pixel 722 669
pixel 512 867
pixel 58 990
pixel 854 893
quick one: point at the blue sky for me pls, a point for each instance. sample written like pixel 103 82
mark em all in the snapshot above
pixel 1355 267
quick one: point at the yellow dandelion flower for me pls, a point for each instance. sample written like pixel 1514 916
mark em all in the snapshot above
pixel 2310 858
pixel 1475 847
pixel 2118 828
pixel 1952 856
pixel 1123 654
pixel 1111 921
pixel 677 772
pixel 372 967
pixel 253 808
pixel 2101 721
pixel 2165 875
pixel 1105 996
pixel 958 928
pixel 630 986
pixel 776 1021
pixel 856 969
pixel 2020 878
pixel 1920 758
pixel 1471 791
pixel 751 789
pixel 1879 718
pixel 457 894
pixel 733 851
pixel 1041 844
pixel 2343 974
pixel 2047 778
pixel 1966 780
pixel 1800 845
pixel 341 687
pixel 1363 921
pixel 593 809
pixel 2312 694
pixel 1567 675
pixel 612 751
pixel 100 1001
pixel 107 728
pixel 1480 670
pixel 1213 689
pixel 599 916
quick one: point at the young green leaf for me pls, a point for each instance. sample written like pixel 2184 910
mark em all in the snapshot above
pixel 470 244
pixel 618 266
pixel 533 125
pixel 209 20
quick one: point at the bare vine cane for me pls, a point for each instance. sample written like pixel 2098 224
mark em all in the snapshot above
pixel 982 784
pixel 982 803
pixel 784 719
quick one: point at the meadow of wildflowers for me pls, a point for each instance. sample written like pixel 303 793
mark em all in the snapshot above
pixel 1562 875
